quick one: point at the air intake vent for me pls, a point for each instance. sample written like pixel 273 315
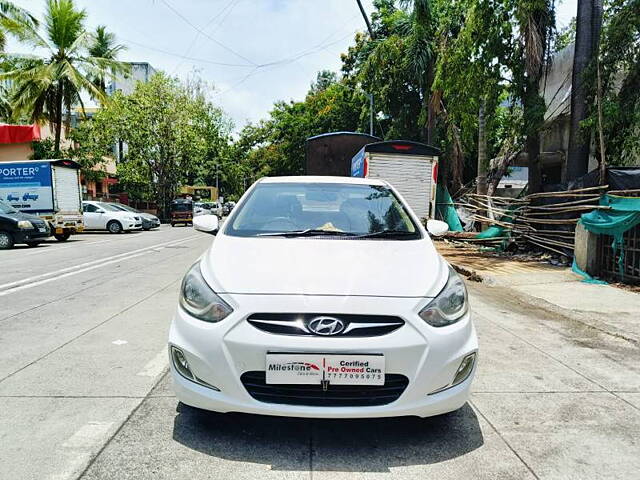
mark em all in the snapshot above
pixel 334 396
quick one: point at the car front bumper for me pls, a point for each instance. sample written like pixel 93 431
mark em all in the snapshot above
pixel 26 236
pixel 218 354
pixel 131 225
pixel 148 224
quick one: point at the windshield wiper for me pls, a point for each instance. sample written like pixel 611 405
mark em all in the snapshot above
pixel 387 233
pixel 309 232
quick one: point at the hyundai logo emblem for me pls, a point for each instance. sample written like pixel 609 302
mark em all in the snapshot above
pixel 326 326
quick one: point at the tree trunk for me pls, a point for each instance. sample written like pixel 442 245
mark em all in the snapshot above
pixel 481 181
pixel 58 118
pixel 499 172
pixel 578 152
pixel 532 147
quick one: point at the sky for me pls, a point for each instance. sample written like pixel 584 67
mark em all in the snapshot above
pixel 254 52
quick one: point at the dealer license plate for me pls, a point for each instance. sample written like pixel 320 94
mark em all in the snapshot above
pixel 310 369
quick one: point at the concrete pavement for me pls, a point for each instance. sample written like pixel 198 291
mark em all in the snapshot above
pixel 82 348
pixel 85 394
pixel 551 400
pixel 556 289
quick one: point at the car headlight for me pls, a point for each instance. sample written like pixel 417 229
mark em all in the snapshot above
pixel 25 225
pixel 450 304
pixel 197 298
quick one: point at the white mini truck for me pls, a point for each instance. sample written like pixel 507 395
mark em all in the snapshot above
pixel 49 189
pixel 411 167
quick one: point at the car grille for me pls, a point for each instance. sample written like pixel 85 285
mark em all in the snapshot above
pixel 298 323
pixel 335 396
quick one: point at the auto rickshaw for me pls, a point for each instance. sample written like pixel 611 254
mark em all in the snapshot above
pixel 181 211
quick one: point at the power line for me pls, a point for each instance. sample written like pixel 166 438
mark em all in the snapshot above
pixel 205 34
pixel 185 57
pixel 232 4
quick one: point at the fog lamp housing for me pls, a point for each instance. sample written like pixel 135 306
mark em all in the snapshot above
pixel 463 372
pixel 181 365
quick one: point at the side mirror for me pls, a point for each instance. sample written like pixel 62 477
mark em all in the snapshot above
pixel 437 228
pixel 99 211
pixel 206 224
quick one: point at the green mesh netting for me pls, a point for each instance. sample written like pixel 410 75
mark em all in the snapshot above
pixel 492 232
pixel 446 210
pixel 586 278
pixel 623 215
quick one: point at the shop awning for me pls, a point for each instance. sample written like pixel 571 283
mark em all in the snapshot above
pixel 19 133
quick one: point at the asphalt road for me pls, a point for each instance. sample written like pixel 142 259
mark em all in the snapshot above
pixel 84 391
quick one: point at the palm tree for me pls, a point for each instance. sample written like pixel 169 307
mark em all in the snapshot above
pixel 421 58
pixel 46 87
pixel 104 46
pixel 12 20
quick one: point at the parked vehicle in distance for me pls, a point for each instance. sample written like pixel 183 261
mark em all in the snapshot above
pixel 18 227
pixel 227 207
pixel 411 167
pixel 149 220
pixel 105 216
pixel 340 308
pixel 202 208
pixel 181 211
pixel 49 189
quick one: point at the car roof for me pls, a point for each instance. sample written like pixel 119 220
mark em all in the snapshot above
pixel 324 179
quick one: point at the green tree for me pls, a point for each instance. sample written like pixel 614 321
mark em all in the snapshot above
pixel 620 66
pixel 47 87
pixel 173 137
pixel 103 45
pixel 276 146
pixel 13 20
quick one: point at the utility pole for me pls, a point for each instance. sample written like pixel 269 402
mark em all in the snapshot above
pixel 217 187
pixel 371 114
pixel 366 19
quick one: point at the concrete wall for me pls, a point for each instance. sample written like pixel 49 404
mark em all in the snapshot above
pixel 140 72
pixel 11 152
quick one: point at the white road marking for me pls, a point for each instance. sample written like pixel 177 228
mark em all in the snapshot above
pixel 77 450
pixel 88 435
pixel 119 342
pixel 56 275
pixel 86 241
pixel 156 366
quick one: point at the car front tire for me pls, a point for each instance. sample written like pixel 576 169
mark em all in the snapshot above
pixel 114 226
pixel 6 241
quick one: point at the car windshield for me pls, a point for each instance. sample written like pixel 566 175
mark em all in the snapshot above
pixel 109 207
pixel 326 209
pixel 6 208
pixel 181 207
pixel 126 208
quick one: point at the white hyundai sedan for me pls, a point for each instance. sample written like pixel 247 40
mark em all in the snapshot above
pixel 322 297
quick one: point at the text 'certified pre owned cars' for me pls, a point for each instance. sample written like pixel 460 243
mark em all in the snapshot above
pixel 322 297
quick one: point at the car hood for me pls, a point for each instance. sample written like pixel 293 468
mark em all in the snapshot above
pixel 21 216
pixel 310 266
pixel 124 214
pixel 146 216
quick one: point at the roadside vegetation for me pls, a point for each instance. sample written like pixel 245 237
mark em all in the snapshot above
pixel 463 75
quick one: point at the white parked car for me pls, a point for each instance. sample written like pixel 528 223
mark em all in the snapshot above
pixel 104 216
pixel 322 297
